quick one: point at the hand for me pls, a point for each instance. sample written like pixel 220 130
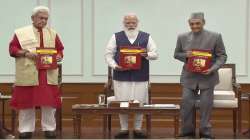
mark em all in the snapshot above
pixel 119 68
pixel 31 55
pixel 144 54
pixel 207 72
pixel 21 53
pixel 189 53
pixel 58 58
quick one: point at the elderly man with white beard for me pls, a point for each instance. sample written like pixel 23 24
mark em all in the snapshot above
pixel 130 84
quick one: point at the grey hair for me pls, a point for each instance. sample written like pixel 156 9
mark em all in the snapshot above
pixel 130 14
pixel 40 9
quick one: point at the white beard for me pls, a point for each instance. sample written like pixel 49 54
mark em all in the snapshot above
pixel 131 33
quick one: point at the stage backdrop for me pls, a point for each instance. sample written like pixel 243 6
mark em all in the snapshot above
pixel 85 26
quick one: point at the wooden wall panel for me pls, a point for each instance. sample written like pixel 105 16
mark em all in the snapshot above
pixel 161 93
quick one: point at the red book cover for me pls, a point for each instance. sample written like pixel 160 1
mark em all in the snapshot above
pixel 46 58
pixel 199 61
pixel 130 57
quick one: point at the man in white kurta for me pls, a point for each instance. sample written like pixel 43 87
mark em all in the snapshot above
pixel 136 87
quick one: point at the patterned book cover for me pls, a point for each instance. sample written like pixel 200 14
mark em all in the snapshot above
pixel 46 58
pixel 130 57
pixel 199 61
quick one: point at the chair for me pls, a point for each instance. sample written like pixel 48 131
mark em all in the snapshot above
pixel 227 95
pixel 3 129
pixel 109 92
pixel 58 114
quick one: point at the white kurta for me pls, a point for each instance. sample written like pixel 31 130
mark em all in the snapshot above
pixel 130 90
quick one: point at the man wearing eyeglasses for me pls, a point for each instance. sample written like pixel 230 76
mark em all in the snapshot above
pixel 198 82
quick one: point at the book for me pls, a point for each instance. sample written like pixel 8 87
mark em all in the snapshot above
pixel 130 57
pixel 199 61
pixel 46 58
